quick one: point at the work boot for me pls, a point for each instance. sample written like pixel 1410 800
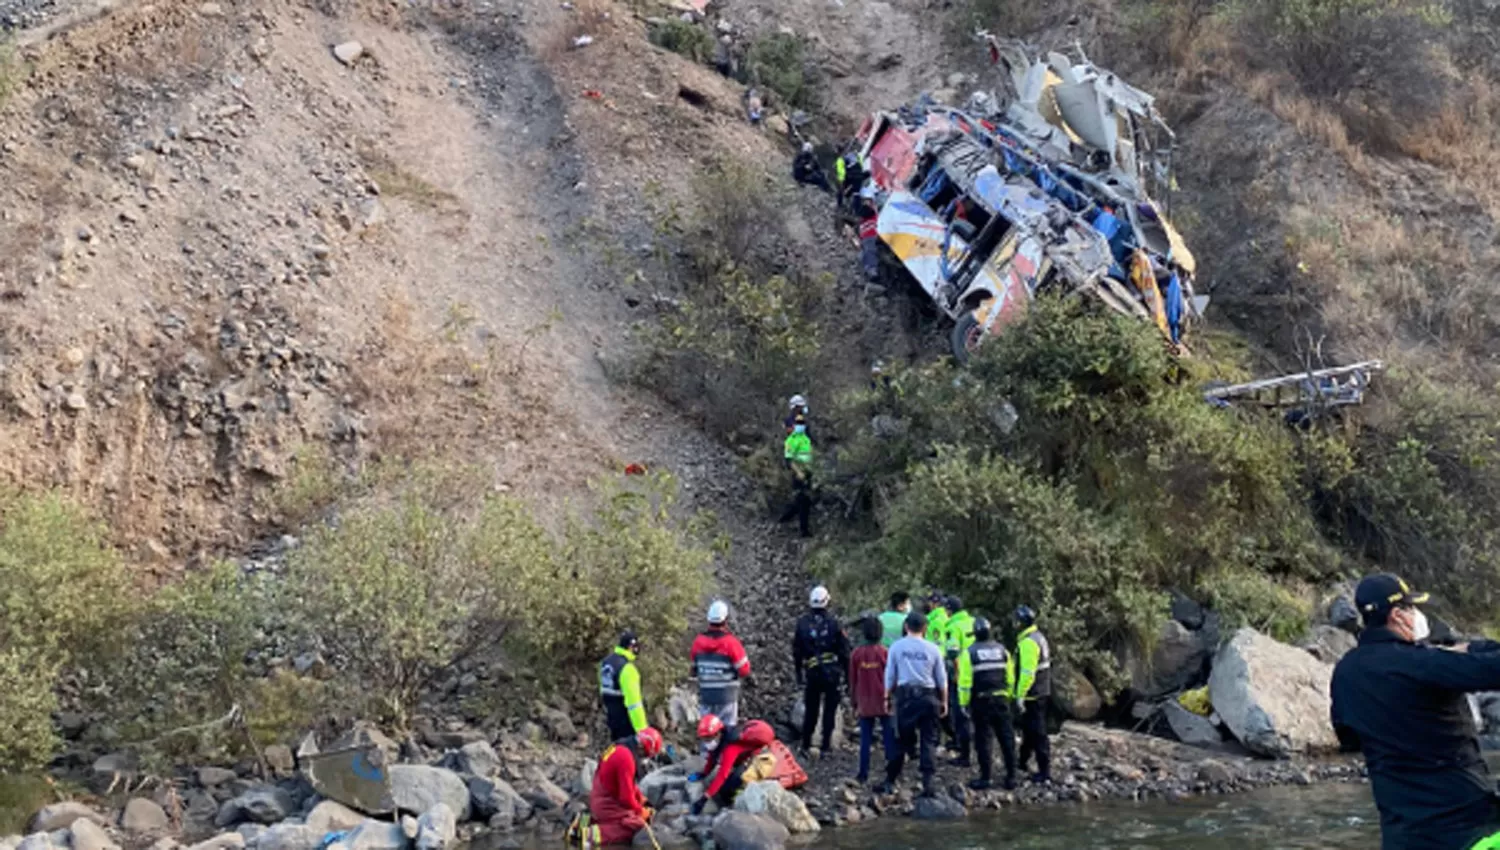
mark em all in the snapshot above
pixel 980 784
pixel 1010 783
pixel 960 761
pixel 1041 779
pixel 885 789
pixel 927 789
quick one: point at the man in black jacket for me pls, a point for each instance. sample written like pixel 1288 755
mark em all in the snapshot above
pixel 820 651
pixel 1402 703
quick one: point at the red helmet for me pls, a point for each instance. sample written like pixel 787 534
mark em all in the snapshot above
pixel 710 726
pixel 650 741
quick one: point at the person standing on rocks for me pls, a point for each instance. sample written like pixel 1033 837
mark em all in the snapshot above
pixel 820 654
pixel 1033 689
pixel 616 804
pixel 893 619
pixel 867 690
pixel 620 689
pixel 916 689
pixel 1402 703
pixel 957 640
pixel 986 679
pixel 797 455
pixel 720 664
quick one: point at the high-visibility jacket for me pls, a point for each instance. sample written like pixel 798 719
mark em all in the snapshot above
pixel 1034 665
pixel 838 170
pixel 798 448
pixel 937 626
pixel 620 691
pixel 959 634
pixel 986 670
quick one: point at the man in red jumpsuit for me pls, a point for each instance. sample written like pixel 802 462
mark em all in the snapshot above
pixel 618 807
pixel 729 753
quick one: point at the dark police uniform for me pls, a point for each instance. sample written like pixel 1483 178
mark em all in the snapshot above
pixel 993 678
pixel 1403 705
pixel 821 652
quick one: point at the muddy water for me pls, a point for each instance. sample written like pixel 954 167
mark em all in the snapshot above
pixel 1332 816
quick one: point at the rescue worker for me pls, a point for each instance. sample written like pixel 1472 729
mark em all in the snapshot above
pixel 807 171
pixel 986 678
pixel 724 61
pixel 868 215
pixel 797 455
pixel 937 618
pixel 893 619
pixel 719 666
pixel 851 176
pixel 729 753
pixel 620 689
pixel 1402 703
pixel 796 406
pixel 616 806
pixel 820 655
pixel 916 689
pixel 958 637
pixel 1033 689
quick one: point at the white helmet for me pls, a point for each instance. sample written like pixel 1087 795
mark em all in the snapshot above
pixel 819 597
pixel 797 401
pixel 807 147
pixel 718 612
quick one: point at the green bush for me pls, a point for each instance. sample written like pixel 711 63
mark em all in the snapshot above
pixel 779 62
pixel 63 593
pixel 1248 598
pixel 683 38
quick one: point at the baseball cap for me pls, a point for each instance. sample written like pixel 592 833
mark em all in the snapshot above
pixel 1376 595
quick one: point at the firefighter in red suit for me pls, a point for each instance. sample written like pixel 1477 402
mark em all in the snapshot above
pixel 618 807
pixel 730 751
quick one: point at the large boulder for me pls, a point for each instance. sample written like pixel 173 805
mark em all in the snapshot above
pixel 332 816
pixel 658 782
pixel 938 807
pixel 1190 728
pixel 1074 694
pixel 259 805
pixel 495 798
pixel 144 817
pixel 1329 644
pixel 769 798
pixel 87 835
pixel 60 816
pixel 1273 697
pixel 544 794
pixel 418 787
pixel 478 758
pixel 1176 662
pixel 736 830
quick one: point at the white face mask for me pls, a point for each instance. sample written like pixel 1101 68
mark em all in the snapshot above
pixel 1419 628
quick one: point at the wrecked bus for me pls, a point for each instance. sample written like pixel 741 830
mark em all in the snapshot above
pixel 988 206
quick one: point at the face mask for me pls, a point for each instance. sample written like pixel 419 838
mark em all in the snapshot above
pixel 712 745
pixel 1419 627
pixel 800 429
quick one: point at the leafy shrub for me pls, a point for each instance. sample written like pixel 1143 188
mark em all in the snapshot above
pixel 1248 598
pixel 683 38
pixel 62 593
pixel 779 62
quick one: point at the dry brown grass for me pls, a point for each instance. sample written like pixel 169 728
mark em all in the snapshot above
pixel 592 18
pixel 1312 119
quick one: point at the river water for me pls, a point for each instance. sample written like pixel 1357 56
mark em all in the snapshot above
pixel 1333 816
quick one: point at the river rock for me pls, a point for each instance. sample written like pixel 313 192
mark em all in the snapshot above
pixel 348 52
pixel 280 760
pixel 494 798
pixel 1187 612
pixel 736 830
pixel 1343 615
pixel 1190 728
pixel 1214 773
pixel 478 758
pixel 144 817
pixel 769 798
pixel 1273 697
pixel 87 835
pixel 227 841
pixel 1328 644
pixel 289 836
pixel 544 795
pixel 658 782
pixel 558 724
pixel 261 805
pixel 938 807
pixel 437 829
pixel 333 816
pixel 213 777
pixel 61 816
pixel 366 734
pixel 37 841
pixel 586 775
pixel 419 787
pixel 1176 662
pixel 1074 694
pixel 374 835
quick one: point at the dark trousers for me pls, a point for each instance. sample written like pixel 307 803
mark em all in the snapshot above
pixel 916 721
pixel 801 508
pixel 821 692
pixel 958 718
pixel 867 741
pixel 1034 735
pixel 992 720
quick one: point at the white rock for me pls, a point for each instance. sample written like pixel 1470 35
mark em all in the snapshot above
pixel 348 52
pixel 769 798
pixel 419 787
pixel 144 816
pixel 1273 697
pixel 60 816
pixel 37 841
pixel 87 835
pixel 333 816
pixel 376 835
pixel 227 841
pixel 289 836
pixel 437 829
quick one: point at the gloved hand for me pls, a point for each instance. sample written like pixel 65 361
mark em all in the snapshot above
pixel 695 777
pixel 647 814
pixel 697 807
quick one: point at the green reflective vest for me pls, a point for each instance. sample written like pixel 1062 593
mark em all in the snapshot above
pixel 937 626
pixel 960 634
pixel 891 623
pixel 798 448
pixel 838 170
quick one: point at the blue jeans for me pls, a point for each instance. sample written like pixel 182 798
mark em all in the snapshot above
pixel 867 740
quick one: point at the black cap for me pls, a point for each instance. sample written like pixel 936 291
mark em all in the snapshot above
pixel 981 628
pixel 1379 593
pixel 628 639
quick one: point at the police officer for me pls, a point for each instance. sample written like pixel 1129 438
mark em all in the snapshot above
pixel 1402 703
pixel 958 637
pixel 620 689
pixel 1033 688
pixel 820 653
pixel 986 678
